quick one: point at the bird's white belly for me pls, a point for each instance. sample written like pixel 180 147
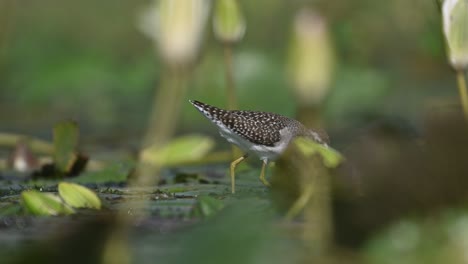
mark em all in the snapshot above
pixel 263 152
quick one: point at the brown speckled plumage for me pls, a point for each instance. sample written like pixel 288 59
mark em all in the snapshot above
pixel 257 127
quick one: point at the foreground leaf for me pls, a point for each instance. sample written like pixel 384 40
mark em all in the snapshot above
pixel 65 144
pixel 432 239
pixel 78 196
pixel 180 150
pixel 38 203
pixel 244 232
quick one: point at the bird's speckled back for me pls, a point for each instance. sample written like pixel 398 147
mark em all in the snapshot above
pixel 257 127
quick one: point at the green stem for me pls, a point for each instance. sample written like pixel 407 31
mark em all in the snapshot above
pixel 163 120
pixel 166 108
pixel 229 73
pixel 463 92
pixel 230 87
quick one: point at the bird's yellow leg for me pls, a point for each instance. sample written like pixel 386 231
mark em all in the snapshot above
pixel 262 174
pixel 233 168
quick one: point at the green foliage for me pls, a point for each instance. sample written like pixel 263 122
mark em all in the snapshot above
pixel 65 144
pixel 44 204
pixel 64 62
pixel 78 196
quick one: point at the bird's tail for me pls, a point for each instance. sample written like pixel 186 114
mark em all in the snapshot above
pixel 211 112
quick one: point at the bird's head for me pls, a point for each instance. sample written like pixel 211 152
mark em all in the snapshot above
pixel 319 136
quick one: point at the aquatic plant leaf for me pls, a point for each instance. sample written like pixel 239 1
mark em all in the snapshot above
pixel 181 150
pixel 65 144
pixel 78 196
pixel 207 206
pixel 331 157
pixel 38 203
pixel 114 172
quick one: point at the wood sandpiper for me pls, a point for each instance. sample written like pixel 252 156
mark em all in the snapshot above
pixel 263 134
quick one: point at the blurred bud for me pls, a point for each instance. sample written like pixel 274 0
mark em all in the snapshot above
pixel 455 23
pixel 22 158
pixel 228 22
pixel 310 58
pixel 177 28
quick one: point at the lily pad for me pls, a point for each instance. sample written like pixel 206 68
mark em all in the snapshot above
pixel 115 172
pixel 331 157
pixel 78 196
pixel 181 150
pixel 207 206
pixel 46 204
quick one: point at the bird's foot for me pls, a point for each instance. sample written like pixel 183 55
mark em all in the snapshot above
pixel 265 182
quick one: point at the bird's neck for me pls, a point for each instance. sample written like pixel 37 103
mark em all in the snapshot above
pixel 319 136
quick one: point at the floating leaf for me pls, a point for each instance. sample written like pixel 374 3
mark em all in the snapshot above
pixel 207 206
pixel 115 172
pixel 331 157
pixel 181 150
pixel 65 144
pixel 38 203
pixel 78 196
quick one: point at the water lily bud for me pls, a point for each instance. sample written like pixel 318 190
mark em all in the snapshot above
pixel 22 158
pixel 228 22
pixel 455 23
pixel 177 28
pixel 311 58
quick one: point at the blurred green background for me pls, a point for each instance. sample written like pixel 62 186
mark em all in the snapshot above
pixel 87 60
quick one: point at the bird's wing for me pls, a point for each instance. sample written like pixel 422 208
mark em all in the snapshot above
pixel 257 127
